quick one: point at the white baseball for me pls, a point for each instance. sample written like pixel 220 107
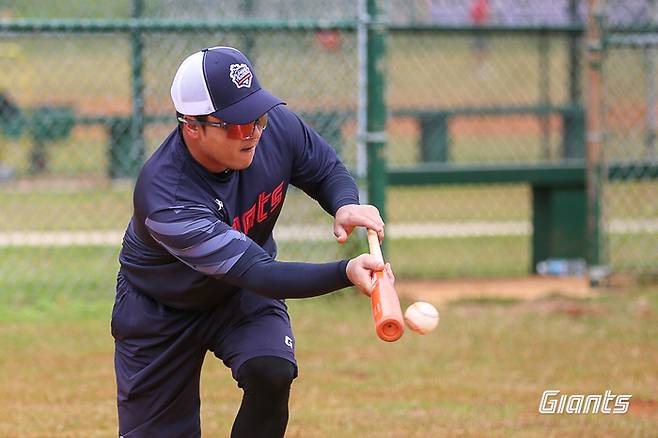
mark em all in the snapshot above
pixel 421 317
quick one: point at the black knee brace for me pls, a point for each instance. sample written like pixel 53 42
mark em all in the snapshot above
pixel 266 383
pixel 266 373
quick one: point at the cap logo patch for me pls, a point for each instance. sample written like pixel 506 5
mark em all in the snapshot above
pixel 241 75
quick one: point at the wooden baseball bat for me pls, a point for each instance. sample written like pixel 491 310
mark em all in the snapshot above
pixel 386 311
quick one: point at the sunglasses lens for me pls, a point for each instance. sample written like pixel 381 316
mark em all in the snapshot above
pixel 240 132
pixel 246 131
pixel 262 122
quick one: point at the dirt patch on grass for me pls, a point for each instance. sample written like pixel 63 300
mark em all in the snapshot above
pixel 643 407
pixel 552 305
pixel 530 288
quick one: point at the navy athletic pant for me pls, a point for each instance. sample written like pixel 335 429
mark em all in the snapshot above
pixel 159 352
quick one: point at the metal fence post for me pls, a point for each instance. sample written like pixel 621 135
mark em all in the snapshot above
pixel 376 105
pixel 574 58
pixel 248 38
pixel 544 67
pixel 650 53
pixel 135 156
pixel 573 130
pixel 595 160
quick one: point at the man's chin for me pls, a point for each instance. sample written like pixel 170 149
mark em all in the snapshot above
pixel 244 165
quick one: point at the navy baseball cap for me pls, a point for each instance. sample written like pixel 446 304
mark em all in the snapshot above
pixel 220 81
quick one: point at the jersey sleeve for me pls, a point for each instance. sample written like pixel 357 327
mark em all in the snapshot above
pixel 318 171
pixel 200 240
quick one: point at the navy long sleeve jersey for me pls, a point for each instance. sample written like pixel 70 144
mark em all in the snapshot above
pixel 196 237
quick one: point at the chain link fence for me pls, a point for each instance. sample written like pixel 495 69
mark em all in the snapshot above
pixel 83 103
pixel 468 84
pixel 501 84
pixel 630 114
pixel 480 84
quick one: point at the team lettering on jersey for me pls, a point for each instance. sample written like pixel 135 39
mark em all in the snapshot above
pixel 258 212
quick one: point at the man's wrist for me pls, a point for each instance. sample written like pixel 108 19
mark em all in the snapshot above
pixel 344 202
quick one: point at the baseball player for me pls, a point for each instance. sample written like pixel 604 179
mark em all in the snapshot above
pixel 198 270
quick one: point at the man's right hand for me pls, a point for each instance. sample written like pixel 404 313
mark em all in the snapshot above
pixel 359 271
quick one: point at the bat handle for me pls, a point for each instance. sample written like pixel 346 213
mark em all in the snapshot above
pixel 386 310
pixel 375 248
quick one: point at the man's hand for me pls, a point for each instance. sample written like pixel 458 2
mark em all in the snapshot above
pixel 360 271
pixel 350 216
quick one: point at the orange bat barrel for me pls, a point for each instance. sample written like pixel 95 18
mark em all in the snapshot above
pixel 386 310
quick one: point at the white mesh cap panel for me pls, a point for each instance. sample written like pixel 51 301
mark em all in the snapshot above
pixel 189 91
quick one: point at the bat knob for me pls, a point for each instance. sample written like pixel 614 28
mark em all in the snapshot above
pixel 390 331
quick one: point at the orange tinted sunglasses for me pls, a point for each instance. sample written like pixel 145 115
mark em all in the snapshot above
pixel 233 131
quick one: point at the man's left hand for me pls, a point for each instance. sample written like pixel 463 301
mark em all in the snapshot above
pixel 350 216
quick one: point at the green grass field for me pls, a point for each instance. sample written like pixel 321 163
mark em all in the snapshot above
pixel 481 372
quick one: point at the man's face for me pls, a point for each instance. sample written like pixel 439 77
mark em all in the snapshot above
pixel 217 152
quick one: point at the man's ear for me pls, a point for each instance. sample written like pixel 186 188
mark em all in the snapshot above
pixel 191 130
